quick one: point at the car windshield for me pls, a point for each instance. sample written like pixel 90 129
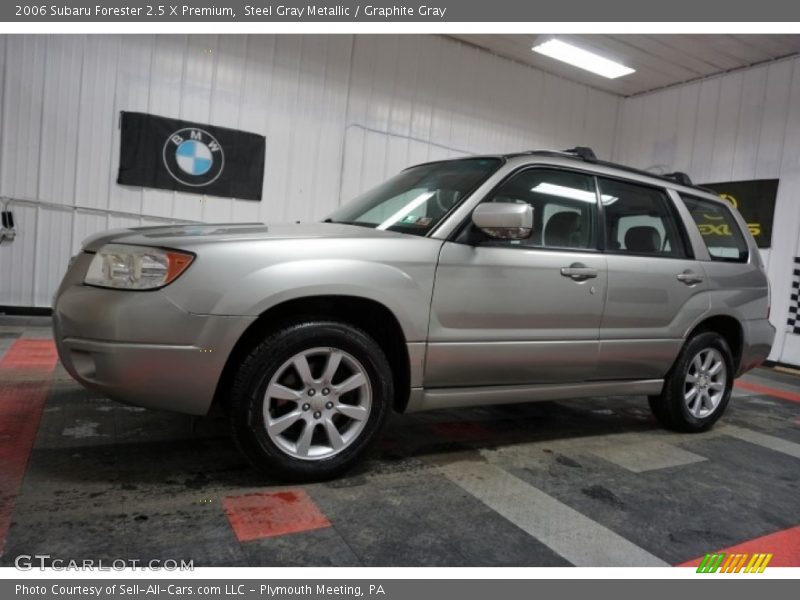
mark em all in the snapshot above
pixel 416 199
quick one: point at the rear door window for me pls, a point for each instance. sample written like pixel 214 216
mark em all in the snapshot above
pixel 640 220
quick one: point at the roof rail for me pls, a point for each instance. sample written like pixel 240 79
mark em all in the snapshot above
pixel 583 152
pixel 586 154
pixel 680 177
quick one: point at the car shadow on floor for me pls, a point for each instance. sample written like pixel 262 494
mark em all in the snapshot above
pixel 101 441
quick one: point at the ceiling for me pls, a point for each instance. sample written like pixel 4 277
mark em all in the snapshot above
pixel 660 60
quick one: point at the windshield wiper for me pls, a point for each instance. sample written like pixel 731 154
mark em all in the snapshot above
pixel 356 223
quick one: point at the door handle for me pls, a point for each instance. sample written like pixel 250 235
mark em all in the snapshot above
pixel 578 272
pixel 689 277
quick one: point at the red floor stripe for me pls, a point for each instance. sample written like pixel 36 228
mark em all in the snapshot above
pixel 784 545
pixel 256 516
pixel 25 372
pixel 768 391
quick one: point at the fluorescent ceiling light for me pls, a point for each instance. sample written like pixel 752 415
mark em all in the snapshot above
pixel 551 189
pixel 583 59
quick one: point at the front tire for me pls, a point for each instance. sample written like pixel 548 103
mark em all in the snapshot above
pixel 698 388
pixel 309 401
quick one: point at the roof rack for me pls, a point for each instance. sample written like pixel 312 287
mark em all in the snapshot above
pixel 680 177
pixel 583 152
pixel 587 154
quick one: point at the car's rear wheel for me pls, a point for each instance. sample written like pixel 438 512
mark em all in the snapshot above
pixel 309 401
pixel 698 388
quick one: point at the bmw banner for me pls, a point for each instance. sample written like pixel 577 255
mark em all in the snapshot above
pixel 171 154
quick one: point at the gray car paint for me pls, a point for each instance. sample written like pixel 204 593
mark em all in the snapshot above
pixel 507 316
pixel 482 324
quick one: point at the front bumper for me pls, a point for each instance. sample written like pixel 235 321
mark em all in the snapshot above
pixel 139 347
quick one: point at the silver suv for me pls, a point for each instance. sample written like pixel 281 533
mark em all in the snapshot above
pixel 495 279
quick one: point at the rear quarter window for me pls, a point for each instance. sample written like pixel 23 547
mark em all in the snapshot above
pixel 719 229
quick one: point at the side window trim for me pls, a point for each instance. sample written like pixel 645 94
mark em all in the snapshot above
pixel 672 209
pixel 602 238
pixel 459 233
pixel 683 235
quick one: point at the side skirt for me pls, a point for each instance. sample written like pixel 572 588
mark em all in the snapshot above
pixel 432 399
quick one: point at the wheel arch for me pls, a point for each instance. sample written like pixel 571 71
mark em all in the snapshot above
pixel 729 328
pixel 375 318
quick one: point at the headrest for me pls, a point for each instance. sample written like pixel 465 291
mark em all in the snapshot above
pixel 561 230
pixel 643 238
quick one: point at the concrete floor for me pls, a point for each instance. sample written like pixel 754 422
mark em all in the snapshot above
pixel 592 482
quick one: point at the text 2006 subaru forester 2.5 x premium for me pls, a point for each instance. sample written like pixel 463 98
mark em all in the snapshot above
pixel 496 279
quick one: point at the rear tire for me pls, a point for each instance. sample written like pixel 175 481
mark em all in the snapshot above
pixel 698 387
pixel 309 401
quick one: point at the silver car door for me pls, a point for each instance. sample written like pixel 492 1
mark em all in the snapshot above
pixel 656 290
pixel 522 311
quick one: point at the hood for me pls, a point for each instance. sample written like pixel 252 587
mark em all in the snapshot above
pixel 206 233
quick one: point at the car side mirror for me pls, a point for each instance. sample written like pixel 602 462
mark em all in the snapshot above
pixel 504 220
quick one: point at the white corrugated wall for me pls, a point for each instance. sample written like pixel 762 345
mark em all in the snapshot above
pixel 743 125
pixel 340 113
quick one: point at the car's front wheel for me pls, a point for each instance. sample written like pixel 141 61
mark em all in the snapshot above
pixel 308 401
pixel 698 388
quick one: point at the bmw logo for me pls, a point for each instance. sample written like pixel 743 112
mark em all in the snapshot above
pixel 193 157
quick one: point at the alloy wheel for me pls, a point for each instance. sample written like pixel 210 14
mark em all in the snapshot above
pixel 705 382
pixel 317 403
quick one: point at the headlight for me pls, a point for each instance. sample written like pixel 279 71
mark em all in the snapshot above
pixel 136 267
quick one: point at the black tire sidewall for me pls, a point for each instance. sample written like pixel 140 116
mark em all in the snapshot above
pixel 678 409
pixel 248 397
